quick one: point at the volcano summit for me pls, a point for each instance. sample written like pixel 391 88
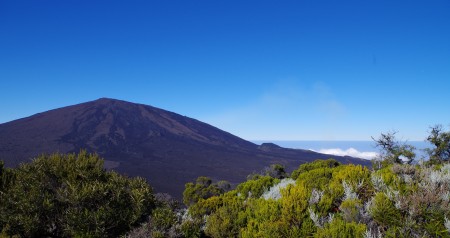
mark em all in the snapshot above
pixel 139 140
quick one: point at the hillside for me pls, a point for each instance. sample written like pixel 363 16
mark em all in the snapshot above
pixel 139 140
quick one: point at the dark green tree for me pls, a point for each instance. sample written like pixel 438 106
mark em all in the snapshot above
pixel 203 188
pixel 276 171
pixel 441 145
pixel 71 196
pixel 394 151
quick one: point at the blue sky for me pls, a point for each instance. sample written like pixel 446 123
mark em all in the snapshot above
pixel 278 70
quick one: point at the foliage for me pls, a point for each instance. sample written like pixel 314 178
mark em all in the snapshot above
pixel 383 211
pixel 394 151
pixel 275 191
pixel 163 218
pixel 350 209
pixel 441 141
pixel 328 199
pixel 203 188
pixel 330 163
pixel 256 186
pixel 72 195
pixel 2 172
pixel 224 222
pixel 276 171
pixel 338 228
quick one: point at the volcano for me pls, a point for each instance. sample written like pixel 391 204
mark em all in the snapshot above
pixel 166 148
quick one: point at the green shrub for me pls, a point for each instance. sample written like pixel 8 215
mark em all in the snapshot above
pixel 332 200
pixel 261 217
pixel 330 163
pixel 162 219
pixel 228 219
pixel 384 212
pixel 356 176
pixel 191 228
pixel 294 203
pixel 72 195
pixel 351 210
pixel 340 229
pixel 203 188
pixel 256 187
pixel 318 178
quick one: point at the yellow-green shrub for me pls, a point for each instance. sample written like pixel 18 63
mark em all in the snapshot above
pixel 294 203
pixel 330 163
pixel 384 212
pixel 350 210
pixel 256 187
pixel 353 175
pixel 228 219
pixel 338 228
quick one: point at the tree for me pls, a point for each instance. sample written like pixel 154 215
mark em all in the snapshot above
pixel 441 141
pixel 202 189
pixel 276 171
pixel 71 196
pixel 393 151
pixel 5 176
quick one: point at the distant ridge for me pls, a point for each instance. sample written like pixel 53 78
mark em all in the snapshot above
pixel 140 140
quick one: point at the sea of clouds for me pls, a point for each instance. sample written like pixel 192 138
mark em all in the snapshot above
pixel 349 152
pixel 359 149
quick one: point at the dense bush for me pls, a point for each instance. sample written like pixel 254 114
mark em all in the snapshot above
pixel 329 199
pixel 396 198
pixel 203 188
pixel 71 195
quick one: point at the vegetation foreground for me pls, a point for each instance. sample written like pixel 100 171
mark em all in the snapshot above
pixel 73 196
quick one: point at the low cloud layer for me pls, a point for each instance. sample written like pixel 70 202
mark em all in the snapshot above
pixel 350 152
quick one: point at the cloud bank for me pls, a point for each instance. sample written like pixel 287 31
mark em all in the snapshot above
pixel 350 152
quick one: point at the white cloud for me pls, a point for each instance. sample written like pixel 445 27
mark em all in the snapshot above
pixel 349 152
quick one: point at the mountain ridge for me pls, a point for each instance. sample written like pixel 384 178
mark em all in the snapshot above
pixel 141 140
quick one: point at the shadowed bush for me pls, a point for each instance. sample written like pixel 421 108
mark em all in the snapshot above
pixel 72 195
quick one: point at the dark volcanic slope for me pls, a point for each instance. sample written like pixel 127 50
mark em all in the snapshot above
pixel 166 148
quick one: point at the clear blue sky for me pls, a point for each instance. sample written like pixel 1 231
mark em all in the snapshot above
pixel 279 70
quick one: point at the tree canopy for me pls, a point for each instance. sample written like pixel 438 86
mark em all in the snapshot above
pixel 71 195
